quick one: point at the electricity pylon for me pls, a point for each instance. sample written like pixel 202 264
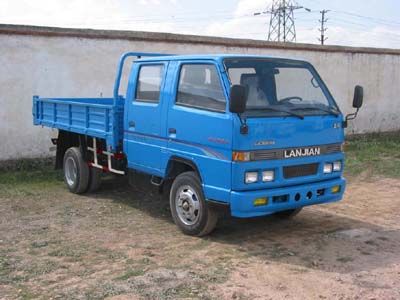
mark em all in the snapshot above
pixel 281 25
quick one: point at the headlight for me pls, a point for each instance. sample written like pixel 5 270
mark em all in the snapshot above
pixel 337 166
pixel 251 177
pixel 268 176
pixel 327 168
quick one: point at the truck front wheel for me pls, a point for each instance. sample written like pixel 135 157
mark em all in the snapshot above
pixel 188 206
pixel 76 171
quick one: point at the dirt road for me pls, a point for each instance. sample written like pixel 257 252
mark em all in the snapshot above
pixel 121 244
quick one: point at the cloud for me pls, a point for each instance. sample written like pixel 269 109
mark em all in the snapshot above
pixel 252 6
pixel 244 25
pixel 378 36
pixel 181 17
pixel 150 2
pixel 243 22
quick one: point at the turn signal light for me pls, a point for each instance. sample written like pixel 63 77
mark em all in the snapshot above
pixel 260 201
pixel 240 156
pixel 335 189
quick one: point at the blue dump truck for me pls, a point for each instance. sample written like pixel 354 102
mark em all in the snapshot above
pixel 252 135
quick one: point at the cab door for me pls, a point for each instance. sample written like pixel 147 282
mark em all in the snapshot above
pixel 199 126
pixel 144 134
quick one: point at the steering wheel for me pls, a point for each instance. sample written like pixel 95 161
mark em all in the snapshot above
pixel 288 99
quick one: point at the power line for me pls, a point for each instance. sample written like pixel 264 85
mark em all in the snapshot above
pixel 362 27
pixel 373 19
pixel 284 11
pixel 126 21
pixel 323 29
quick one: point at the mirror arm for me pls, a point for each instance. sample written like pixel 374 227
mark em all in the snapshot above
pixel 350 117
pixel 244 129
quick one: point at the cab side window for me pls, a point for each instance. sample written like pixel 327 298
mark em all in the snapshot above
pixel 149 83
pixel 200 87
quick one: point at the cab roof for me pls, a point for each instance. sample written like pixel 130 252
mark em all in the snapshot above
pixel 215 57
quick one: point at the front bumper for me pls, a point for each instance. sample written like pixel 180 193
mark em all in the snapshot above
pixel 284 198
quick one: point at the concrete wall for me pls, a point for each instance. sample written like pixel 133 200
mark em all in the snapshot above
pixel 81 63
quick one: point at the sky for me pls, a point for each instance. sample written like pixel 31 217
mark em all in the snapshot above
pixel 367 23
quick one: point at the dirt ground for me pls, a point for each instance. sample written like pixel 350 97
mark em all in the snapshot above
pixel 120 243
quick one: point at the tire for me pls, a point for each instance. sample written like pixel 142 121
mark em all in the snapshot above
pixel 95 175
pixel 76 171
pixel 288 214
pixel 188 206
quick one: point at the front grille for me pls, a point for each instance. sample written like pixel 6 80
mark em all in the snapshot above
pixel 333 148
pixel 265 155
pixel 300 170
pixel 279 153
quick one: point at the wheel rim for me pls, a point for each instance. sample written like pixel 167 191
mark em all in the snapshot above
pixel 187 205
pixel 70 171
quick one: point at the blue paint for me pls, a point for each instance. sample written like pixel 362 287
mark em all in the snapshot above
pixel 207 138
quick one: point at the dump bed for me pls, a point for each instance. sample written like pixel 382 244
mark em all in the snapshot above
pixel 96 117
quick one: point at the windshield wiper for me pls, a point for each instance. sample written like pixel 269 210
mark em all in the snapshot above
pixel 328 110
pixel 279 110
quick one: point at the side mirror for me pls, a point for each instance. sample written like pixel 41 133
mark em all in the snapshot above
pixel 358 96
pixel 357 103
pixel 238 99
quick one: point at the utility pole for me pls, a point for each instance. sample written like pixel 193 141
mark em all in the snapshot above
pixel 281 24
pixel 323 21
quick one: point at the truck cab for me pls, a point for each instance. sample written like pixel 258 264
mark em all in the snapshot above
pixel 254 135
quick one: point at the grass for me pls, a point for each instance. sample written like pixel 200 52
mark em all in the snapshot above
pixel 374 154
pixel 345 259
pixel 131 273
pixel 61 238
pixel 377 153
pixel 187 291
pixel 45 175
pixel 26 164
pixel 28 181
pixel 5 267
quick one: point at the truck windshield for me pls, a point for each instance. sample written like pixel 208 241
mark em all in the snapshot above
pixel 280 87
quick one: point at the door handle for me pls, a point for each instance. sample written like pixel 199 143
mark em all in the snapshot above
pixel 171 130
pixel 131 124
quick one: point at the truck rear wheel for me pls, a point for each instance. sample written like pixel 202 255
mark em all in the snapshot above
pixel 94 179
pixel 76 171
pixel 189 208
pixel 288 214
